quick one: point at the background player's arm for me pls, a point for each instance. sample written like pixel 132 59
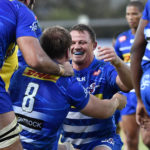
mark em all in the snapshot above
pixel 137 52
pixel 104 108
pixel 36 58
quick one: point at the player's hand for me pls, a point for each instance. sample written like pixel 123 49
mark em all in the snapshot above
pixel 108 54
pixel 142 117
pixel 66 69
pixel 122 100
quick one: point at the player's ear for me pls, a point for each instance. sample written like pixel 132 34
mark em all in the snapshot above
pixel 68 54
pixel 94 45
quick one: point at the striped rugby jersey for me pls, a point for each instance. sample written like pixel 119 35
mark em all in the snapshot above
pixel 100 80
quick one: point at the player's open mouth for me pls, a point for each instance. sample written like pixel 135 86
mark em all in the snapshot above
pixel 78 53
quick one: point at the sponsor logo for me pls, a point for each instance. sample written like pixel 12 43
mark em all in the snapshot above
pixel 30 122
pixel 38 75
pixel 110 141
pixel 34 26
pixel 122 38
pixel 81 79
pixel 96 73
pixel 92 87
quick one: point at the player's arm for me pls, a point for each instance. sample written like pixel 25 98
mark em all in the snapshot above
pixel 123 79
pixel 137 52
pixel 104 108
pixel 36 58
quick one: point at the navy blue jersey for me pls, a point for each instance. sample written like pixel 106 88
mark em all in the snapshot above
pixel 100 80
pixel 41 103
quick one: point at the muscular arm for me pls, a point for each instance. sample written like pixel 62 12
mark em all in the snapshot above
pixel 36 58
pixel 104 108
pixel 123 79
pixel 137 52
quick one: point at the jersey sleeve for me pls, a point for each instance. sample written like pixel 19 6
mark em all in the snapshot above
pixel 26 23
pixel 146 14
pixel 75 93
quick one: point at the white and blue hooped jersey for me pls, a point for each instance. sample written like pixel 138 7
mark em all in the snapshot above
pixel 100 80
pixel 41 103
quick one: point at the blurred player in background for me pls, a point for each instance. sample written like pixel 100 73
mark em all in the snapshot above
pixel 123 47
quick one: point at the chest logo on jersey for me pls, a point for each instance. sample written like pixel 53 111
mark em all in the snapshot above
pixel 38 75
pixel 122 38
pixel 96 73
pixel 92 87
pixel 81 79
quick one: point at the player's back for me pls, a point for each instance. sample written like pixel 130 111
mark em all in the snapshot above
pixel 41 102
pixel 36 104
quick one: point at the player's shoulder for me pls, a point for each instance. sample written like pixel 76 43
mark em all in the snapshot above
pixel 66 81
pixel 13 4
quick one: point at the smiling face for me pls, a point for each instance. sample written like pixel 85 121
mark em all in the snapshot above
pixel 133 16
pixel 81 49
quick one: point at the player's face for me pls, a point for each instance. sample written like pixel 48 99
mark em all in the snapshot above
pixel 133 16
pixel 82 48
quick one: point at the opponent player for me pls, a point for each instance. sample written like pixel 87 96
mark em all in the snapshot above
pixel 18 24
pixel 140 68
pixel 123 47
pixel 42 101
pixel 100 79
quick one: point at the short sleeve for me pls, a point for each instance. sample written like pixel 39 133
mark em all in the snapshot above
pixel 26 23
pixel 146 12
